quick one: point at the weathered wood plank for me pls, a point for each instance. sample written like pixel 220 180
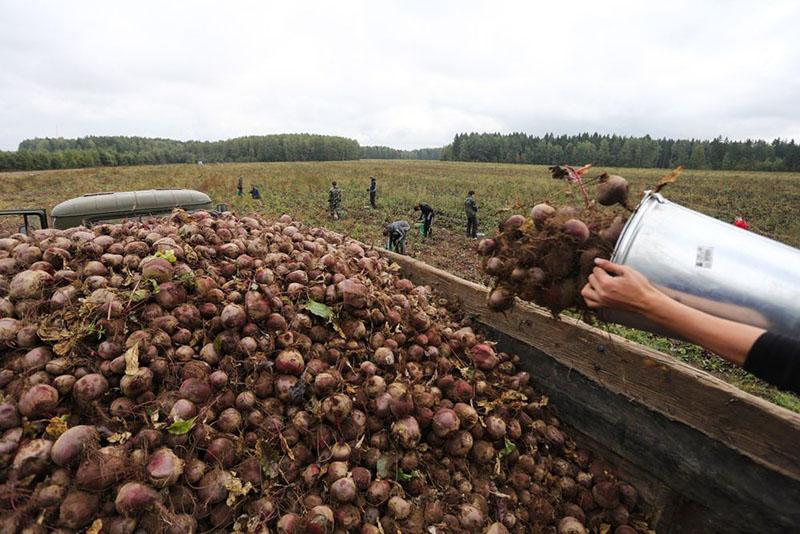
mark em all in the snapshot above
pixel 694 483
pixel 765 433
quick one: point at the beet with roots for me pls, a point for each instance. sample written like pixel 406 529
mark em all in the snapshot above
pixel 612 189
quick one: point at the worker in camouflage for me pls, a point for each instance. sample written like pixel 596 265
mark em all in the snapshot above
pixel 471 209
pixel 397 233
pixel 373 192
pixel 334 200
pixel 239 186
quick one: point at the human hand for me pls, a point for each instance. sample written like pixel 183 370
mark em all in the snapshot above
pixel 627 289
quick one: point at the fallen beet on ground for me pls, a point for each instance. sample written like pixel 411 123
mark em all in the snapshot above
pixel 197 374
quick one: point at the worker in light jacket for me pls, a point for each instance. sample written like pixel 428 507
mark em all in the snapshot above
pixel 396 233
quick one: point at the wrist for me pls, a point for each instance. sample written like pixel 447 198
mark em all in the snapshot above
pixel 654 304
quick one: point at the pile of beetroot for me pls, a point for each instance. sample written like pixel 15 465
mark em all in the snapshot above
pixel 547 258
pixel 200 373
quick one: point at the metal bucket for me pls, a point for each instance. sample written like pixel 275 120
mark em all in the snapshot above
pixel 710 265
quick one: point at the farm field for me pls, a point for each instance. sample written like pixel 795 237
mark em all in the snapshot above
pixel 770 202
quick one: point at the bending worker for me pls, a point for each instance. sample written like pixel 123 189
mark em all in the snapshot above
pixel 769 356
pixel 397 232
pixel 425 217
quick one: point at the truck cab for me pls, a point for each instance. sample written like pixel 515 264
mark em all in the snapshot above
pixel 114 207
pixel 110 207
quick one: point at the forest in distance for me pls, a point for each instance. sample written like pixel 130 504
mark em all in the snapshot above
pixel 720 153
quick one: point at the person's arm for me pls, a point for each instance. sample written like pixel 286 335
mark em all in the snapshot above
pixel 629 290
pixel 770 356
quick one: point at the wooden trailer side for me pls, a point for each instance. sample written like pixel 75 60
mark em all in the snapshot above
pixel 730 460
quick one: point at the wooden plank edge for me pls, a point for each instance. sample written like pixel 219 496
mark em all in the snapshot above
pixel 764 432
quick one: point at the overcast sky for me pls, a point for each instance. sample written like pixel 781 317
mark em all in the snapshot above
pixel 406 74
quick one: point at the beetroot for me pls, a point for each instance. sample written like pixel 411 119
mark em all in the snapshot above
pixel 486 246
pixel 164 468
pixel 9 418
pixel 32 457
pixel 445 422
pixel 470 517
pixel 290 362
pixel 134 498
pixel 233 316
pixel 378 492
pixel 484 357
pixel 500 299
pixel 344 490
pixel 513 223
pixel 28 284
pixel 157 269
pixel 406 432
pixel 337 407
pixel 612 189
pixel 99 472
pixel 605 494
pixel 353 293
pixel 399 508
pixel 290 524
pixel 170 295
pixel 70 445
pixel 77 509
pixel 38 401
pixel 570 525
pixel 90 387
pixel 496 528
pixel 577 229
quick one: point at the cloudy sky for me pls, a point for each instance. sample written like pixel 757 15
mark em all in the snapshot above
pixel 402 73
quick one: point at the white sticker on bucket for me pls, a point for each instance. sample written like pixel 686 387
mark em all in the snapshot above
pixel 705 257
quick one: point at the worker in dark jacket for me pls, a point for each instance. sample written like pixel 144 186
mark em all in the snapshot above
pixel 397 233
pixel 471 210
pixel 373 192
pixel 255 193
pixel 334 200
pixel 425 217
pixel 770 356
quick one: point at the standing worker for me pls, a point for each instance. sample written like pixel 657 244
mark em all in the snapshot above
pixel 373 192
pixel 240 187
pixel 425 217
pixel 255 193
pixel 471 209
pixel 334 200
pixel 397 232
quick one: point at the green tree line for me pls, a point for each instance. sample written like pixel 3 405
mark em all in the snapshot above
pixel 619 151
pixel 385 152
pixel 60 153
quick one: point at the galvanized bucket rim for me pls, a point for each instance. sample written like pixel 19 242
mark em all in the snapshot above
pixel 629 231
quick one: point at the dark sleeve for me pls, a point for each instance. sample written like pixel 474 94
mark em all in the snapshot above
pixel 776 359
